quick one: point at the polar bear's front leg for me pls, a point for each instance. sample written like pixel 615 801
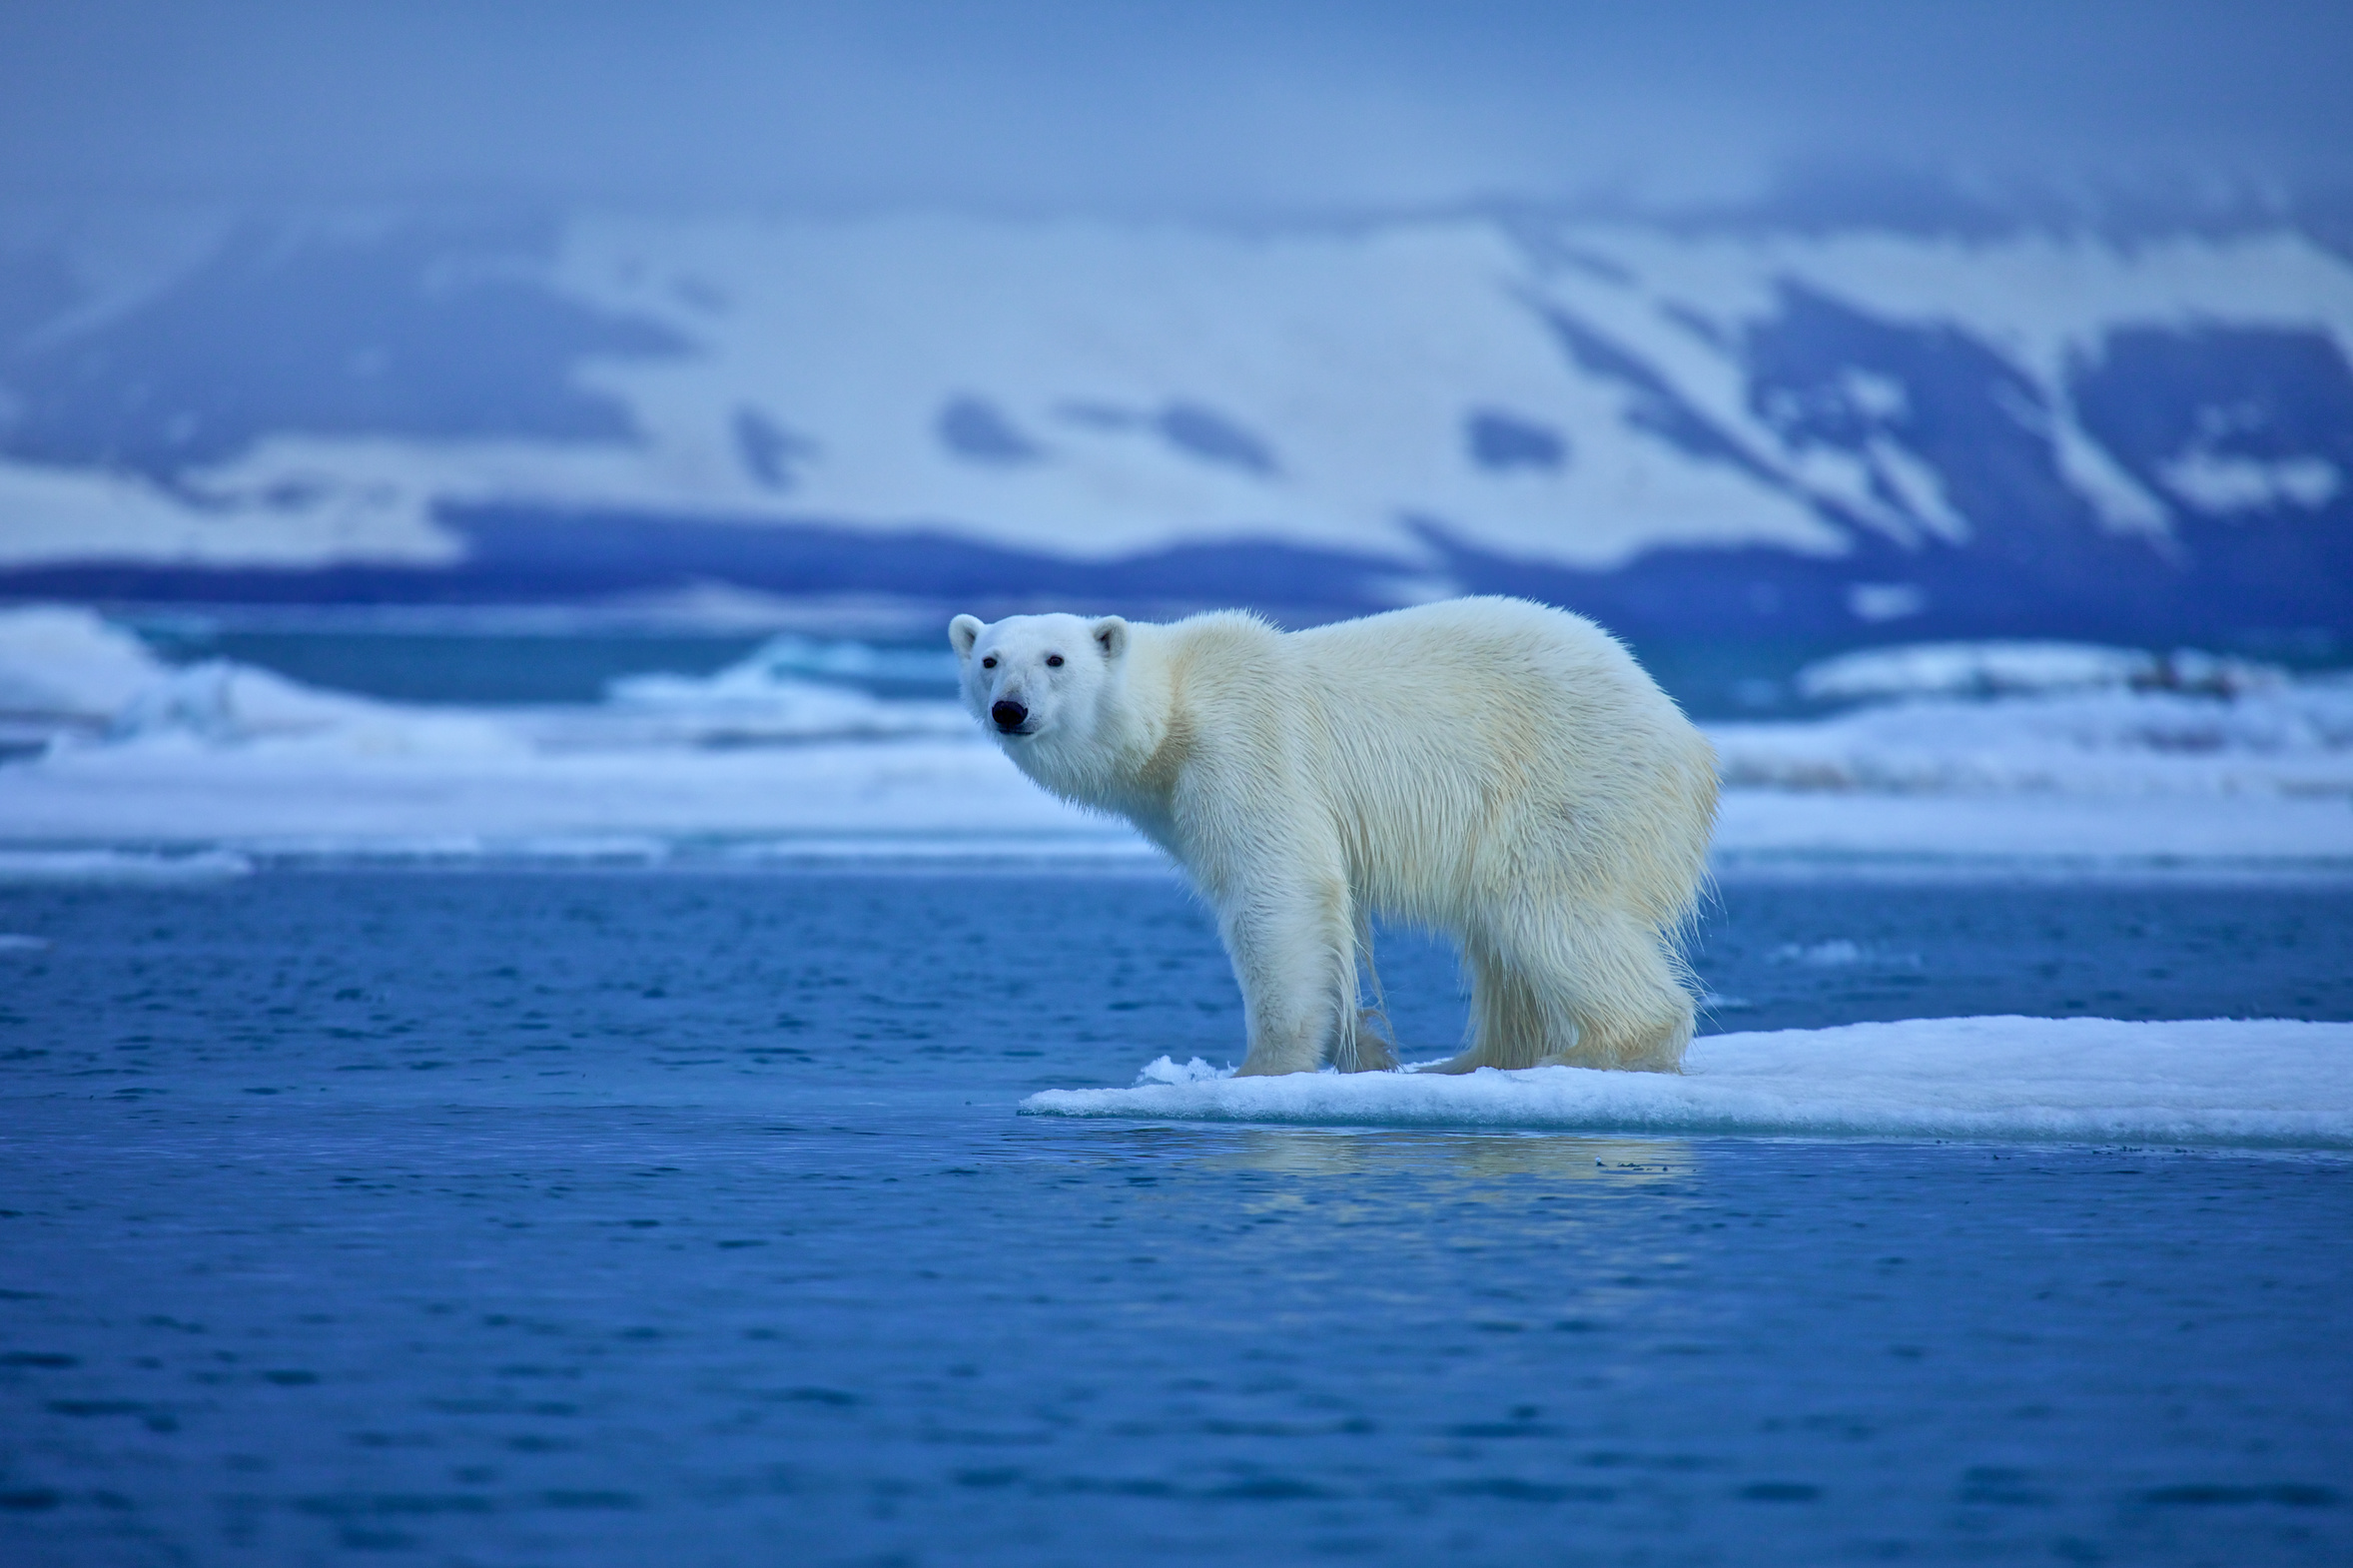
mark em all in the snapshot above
pixel 1292 946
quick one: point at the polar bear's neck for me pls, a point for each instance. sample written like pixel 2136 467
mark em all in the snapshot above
pixel 1115 761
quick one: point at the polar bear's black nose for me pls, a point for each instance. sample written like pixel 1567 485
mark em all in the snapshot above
pixel 1009 715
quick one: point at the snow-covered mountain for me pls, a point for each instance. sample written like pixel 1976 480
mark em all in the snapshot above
pixel 1736 432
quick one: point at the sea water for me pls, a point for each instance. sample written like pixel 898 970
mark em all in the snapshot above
pixel 678 1217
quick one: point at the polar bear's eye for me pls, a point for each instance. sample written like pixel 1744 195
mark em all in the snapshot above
pixel 1053 661
pixel 990 662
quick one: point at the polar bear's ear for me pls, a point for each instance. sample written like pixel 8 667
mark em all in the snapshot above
pixel 1111 635
pixel 963 632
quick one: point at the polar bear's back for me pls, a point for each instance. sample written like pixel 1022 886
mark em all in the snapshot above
pixel 1480 742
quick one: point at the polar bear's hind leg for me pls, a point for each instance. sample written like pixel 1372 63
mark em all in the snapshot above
pixel 1514 1023
pixel 1600 994
pixel 1633 1010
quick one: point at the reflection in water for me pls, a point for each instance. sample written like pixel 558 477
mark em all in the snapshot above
pixel 1332 1151
pixel 1347 1152
pixel 1584 1236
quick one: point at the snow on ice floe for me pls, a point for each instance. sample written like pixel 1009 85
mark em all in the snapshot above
pixel 2227 1082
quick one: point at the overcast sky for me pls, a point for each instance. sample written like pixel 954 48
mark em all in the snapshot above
pixel 1184 107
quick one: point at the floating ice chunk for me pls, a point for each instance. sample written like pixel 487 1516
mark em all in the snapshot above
pixel 72 679
pixel 1840 953
pixel 61 662
pixel 1105 848
pixel 2261 1083
pixel 221 701
pixel 121 866
pixel 769 697
pixel 218 704
pixel 2292 739
pixel 17 942
pixel 1973 669
pixel 1163 1069
pixel 789 711
pixel 1836 952
pixel 1811 833
pixel 783 665
pixel 792 655
pixel 1992 670
pixel 341 788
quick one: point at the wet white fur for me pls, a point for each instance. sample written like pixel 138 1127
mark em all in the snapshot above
pixel 1489 768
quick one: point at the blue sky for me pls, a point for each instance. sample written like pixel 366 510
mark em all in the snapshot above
pixel 1199 107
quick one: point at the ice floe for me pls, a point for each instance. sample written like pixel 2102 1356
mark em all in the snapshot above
pixel 2052 719
pixel 788 661
pixel 2239 1083
pixel 770 697
pixel 120 867
pixel 2288 738
pixel 67 665
pixel 1999 668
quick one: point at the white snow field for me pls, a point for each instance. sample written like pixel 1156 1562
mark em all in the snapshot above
pixel 1144 385
pixel 2240 1083
pixel 115 749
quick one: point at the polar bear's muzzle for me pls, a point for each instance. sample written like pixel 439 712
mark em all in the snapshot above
pixel 1010 716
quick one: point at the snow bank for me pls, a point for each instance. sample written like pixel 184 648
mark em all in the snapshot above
pixel 2246 1083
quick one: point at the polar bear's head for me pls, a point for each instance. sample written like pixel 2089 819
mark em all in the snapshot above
pixel 1038 679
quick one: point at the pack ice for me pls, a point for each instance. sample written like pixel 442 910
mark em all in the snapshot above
pixel 2262 1083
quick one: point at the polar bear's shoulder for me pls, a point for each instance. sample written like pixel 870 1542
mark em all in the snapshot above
pixel 1219 628
pixel 1214 643
pixel 1452 629
pixel 1235 648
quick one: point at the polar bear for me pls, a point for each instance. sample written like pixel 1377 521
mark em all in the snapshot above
pixel 1489 768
